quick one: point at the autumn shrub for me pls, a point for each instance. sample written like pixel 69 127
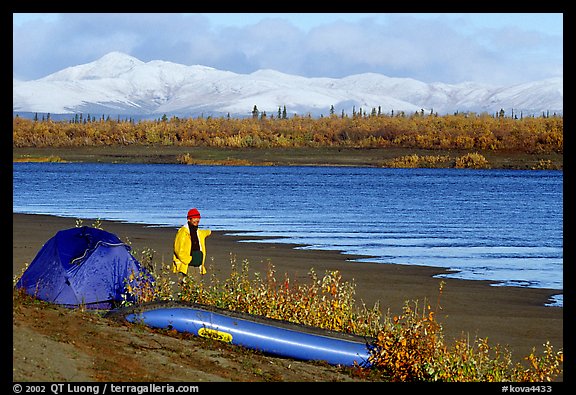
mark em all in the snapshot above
pixel 414 161
pixel 326 302
pixel 138 288
pixel 434 160
pixel 545 164
pixel 411 347
pixel 407 346
pixel 155 283
pixel 471 161
pixel 407 161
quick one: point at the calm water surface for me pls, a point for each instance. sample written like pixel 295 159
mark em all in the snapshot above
pixel 483 224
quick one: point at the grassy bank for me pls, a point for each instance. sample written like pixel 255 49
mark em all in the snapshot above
pixel 304 156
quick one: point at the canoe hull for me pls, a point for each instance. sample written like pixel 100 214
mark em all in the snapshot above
pixel 266 335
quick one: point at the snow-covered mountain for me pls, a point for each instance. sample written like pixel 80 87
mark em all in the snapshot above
pixel 121 84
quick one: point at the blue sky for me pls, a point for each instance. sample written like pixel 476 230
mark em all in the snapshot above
pixel 498 48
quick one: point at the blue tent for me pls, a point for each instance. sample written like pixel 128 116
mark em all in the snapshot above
pixel 81 266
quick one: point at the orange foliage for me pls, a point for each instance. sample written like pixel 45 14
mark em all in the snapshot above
pixel 459 131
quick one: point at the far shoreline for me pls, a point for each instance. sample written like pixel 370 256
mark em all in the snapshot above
pixel 304 156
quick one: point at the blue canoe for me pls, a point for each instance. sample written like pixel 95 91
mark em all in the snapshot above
pixel 267 335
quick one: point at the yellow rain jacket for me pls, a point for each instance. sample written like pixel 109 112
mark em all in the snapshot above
pixel 182 245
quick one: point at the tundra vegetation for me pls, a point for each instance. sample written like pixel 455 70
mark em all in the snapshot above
pixel 470 133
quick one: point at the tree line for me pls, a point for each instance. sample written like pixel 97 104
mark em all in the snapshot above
pixel 466 131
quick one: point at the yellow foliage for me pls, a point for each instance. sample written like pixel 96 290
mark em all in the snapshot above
pixel 472 161
pixel 461 131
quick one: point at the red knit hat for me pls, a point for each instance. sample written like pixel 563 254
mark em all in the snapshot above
pixel 193 213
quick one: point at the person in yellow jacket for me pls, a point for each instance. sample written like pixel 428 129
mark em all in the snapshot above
pixel 190 245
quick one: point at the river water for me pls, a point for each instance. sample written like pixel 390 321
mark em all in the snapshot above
pixel 502 225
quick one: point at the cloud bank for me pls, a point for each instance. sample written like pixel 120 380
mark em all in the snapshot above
pixel 431 50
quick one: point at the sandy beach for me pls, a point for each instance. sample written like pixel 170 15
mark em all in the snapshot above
pixel 516 318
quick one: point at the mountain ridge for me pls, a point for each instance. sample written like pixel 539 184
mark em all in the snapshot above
pixel 118 83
